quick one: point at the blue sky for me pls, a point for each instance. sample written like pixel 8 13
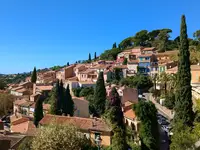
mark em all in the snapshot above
pixel 45 33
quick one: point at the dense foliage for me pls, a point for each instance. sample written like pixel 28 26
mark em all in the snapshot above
pixel 97 104
pixel 34 76
pixel 149 131
pixel 83 91
pixel 139 81
pixel 38 112
pixel 6 104
pixel 183 106
pixel 59 137
pixel 61 100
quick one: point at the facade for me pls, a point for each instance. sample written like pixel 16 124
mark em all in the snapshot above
pixel 81 107
pixel 88 126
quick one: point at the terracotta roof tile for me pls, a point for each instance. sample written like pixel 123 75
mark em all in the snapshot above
pixel 45 88
pixel 82 123
pixel 20 120
pixel 148 49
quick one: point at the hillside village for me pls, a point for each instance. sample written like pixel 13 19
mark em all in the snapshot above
pixel 138 76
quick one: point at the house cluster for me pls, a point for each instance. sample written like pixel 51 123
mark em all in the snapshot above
pixel 146 60
pixel 23 109
pixel 143 60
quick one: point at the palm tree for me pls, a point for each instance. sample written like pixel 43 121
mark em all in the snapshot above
pixel 163 79
pixel 172 81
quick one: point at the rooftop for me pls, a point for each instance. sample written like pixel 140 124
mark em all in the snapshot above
pixel 82 123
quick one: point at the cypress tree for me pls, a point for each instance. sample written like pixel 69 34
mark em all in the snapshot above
pixel 183 106
pixel 34 76
pixel 95 56
pixel 114 45
pixel 69 103
pixel 99 96
pixel 61 95
pixel 89 58
pixel 55 100
pixel 67 63
pixel 115 115
pixel 38 112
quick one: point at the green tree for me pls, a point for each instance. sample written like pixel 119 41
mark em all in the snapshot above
pixel 128 42
pixel 89 58
pixel 170 100
pixel 117 74
pixel 26 143
pixel 141 38
pixel 149 131
pixel 55 100
pixel 163 38
pixel 183 106
pixel 38 112
pixel 34 76
pixel 115 115
pixel 2 84
pixel 69 103
pixel 67 63
pixel 87 91
pixel 125 61
pixel 114 45
pixel 62 97
pixel 196 35
pixel 59 137
pixel 164 79
pixel 6 104
pixel 98 104
pixel 95 56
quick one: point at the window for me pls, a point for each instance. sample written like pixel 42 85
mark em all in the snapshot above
pixel 96 134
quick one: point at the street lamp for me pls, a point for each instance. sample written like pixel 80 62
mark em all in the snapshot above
pixel 98 141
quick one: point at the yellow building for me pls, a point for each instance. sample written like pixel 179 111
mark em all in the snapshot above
pixel 195 73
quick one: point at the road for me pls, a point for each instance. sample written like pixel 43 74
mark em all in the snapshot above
pixel 164 136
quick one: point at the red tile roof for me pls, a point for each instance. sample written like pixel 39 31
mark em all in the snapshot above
pixel 20 120
pixel 82 123
pixel 148 49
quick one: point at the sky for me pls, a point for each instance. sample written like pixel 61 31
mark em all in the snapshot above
pixel 45 33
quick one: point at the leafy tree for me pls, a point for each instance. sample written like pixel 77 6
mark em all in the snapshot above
pixel 164 78
pixel 98 104
pixel 38 112
pixel 152 36
pixel 196 35
pixel 77 91
pixel 183 105
pixel 163 37
pixel 149 131
pixel 170 100
pixel 183 137
pixel 69 103
pixel 128 42
pixel 87 91
pixel 110 76
pixel 110 54
pixel 26 143
pixel 114 45
pixel 34 76
pixel 67 63
pixel 55 108
pixel 59 137
pixel 6 104
pixel 2 84
pixel 140 38
pixel 125 61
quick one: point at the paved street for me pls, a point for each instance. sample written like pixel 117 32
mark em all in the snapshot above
pixel 163 136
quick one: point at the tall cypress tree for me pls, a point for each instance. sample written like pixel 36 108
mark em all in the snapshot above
pixel 38 112
pixel 89 58
pixel 61 95
pixel 115 115
pixel 55 100
pixel 69 103
pixel 114 45
pixel 99 96
pixel 95 56
pixel 183 106
pixel 34 76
